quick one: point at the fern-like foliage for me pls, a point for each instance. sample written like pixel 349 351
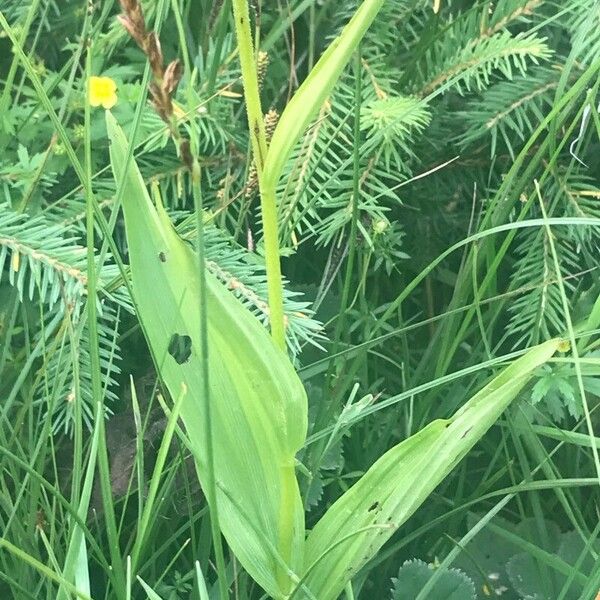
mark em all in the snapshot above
pixel 36 257
pixel 510 109
pixel 44 262
pixel 244 274
pixel 63 386
pixel 391 125
pixel 471 67
pixel 538 313
pixel 583 22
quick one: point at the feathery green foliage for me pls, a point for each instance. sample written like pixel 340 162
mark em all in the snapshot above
pixel 436 201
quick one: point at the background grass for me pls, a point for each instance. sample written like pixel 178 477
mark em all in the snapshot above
pixel 440 216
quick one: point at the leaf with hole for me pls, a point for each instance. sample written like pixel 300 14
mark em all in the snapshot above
pixel 259 407
pixel 357 525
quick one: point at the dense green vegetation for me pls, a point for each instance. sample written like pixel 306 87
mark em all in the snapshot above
pixel 409 413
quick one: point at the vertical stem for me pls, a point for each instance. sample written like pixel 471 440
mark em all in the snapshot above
pixel 182 38
pixel 92 318
pixel 311 37
pixel 221 32
pixel 258 139
pixel 8 82
pixel 571 333
pixel 211 491
pixel 326 410
pixel 339 328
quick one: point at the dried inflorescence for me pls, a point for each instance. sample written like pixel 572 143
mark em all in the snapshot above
pixel 271 120
pixel 165 79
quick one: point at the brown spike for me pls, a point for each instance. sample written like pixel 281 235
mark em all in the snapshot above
pixel 171 77
pixel 152 48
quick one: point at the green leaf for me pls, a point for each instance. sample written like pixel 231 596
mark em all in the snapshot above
pixel 556 391
pixel 259 407
pixel 152 595
pixel 353 530
pixel 414 574
pixel 314 91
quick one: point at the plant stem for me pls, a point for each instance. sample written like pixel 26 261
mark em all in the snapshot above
pixel 211 491
pixel 92 322
pixel 258 138
pixel 327 410
pixel 339 328
pixel 355 194
pixel 221 33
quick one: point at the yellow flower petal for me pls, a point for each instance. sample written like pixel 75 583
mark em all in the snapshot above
pixel 102 92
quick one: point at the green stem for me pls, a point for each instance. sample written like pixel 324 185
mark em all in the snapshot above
pixel 258 139
pixel 221 33
pixel 182 40
pixel 286 523
pixel 211 491
pixel 92 317
pixel 339 329
pixel 8 83
pixel 570 331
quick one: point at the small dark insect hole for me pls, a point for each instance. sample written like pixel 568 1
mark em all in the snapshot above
pixel 162 257
pixel 374 506
pixel 180 348
pixel 465 433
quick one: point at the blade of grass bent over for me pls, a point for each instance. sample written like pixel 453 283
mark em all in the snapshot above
pixel 258 403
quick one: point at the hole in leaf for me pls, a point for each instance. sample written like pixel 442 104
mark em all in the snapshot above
pixel 180 348
pixel 162 257
pixel 374 506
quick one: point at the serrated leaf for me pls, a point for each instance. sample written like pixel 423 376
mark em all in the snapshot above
pixel 487 555
pixel 556 393
pixel 414 574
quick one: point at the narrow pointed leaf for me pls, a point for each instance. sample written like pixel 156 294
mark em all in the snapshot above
pixel 258 403
pixel 353 530
pixel 314 91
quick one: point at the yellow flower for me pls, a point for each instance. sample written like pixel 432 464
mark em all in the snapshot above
pixel 102 91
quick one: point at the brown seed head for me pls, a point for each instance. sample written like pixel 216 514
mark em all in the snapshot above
pixel 137 25
pixel 186 154
pixel 152 49
pixel 171 77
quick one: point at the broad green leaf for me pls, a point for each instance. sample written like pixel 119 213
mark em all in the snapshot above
pixel 452 584
pixel 353 530
pixel 259 407
pixel 314 91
